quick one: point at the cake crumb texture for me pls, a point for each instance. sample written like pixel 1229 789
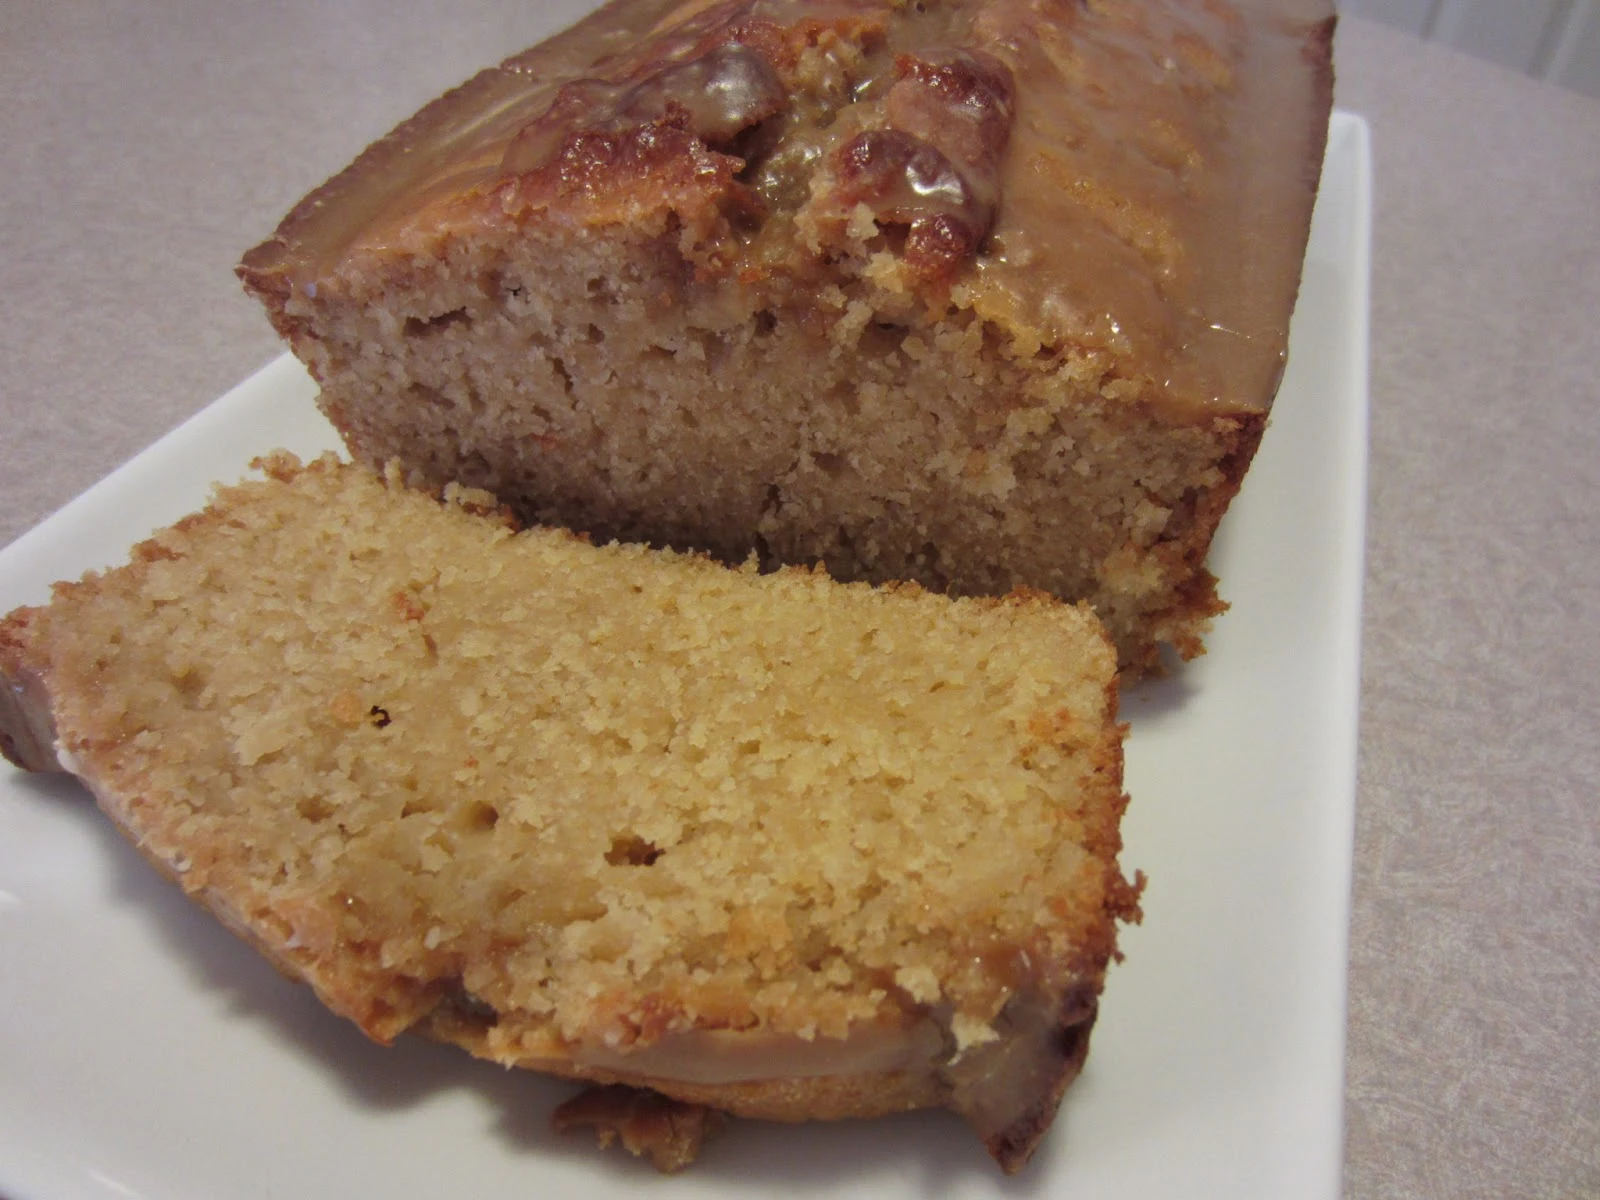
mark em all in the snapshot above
pixel 977 293
pixel 564 804
pixel 645 1123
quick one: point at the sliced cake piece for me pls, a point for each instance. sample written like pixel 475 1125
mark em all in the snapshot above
pixel 980 293
pixel 772 844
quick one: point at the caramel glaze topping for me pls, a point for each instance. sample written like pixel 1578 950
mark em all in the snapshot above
pixel 1102 175
pixel 934 168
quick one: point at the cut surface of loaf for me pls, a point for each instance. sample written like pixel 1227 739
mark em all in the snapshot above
pixel 781 846
pixel 979 293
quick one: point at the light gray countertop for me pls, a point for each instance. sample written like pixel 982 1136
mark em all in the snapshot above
pixel 145 145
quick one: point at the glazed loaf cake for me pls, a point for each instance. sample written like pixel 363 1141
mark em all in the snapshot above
pixel 772 844
pixel 978 293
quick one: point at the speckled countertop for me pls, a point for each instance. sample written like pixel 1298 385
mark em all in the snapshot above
pixel 145 144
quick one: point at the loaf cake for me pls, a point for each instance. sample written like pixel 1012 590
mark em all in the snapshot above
pixel 766 844
pixel 977 293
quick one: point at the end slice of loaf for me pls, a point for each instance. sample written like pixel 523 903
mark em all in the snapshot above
pixel 773 844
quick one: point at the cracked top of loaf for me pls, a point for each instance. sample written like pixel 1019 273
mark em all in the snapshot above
pixel 1128 177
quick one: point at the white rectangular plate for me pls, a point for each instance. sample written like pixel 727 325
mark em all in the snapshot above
pixel 144 1052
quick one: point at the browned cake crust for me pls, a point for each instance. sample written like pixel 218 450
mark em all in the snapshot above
pixel 768 844
pixel 980 293
pixel 669 1131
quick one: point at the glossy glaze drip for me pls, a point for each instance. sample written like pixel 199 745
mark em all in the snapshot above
pixel 1158 206
pixel 1136 177
pixel 720 93
pixel 933 165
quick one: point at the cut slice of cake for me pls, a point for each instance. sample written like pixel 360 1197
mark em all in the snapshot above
pixel 768 843
pixel 978 293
